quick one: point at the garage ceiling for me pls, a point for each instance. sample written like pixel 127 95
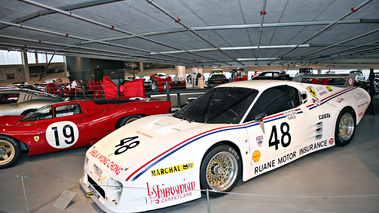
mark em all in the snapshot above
pixel 208 33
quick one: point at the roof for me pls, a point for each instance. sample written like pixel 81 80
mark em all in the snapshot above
pixel 199 33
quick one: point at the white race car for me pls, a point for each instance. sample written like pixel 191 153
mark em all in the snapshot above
pixel 241 129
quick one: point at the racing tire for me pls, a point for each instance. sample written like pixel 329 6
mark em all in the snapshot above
pixel 220 170
pixel 128 119
pixel 10 151
pixel 345 127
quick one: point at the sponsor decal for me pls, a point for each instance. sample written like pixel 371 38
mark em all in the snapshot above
pixel 171 169
pixel 319 88
pixel 290 114
pixel 361 105
pixel 323 93
pixel 312 91
pixel 259 140
pixel 106 161
pixel 313 147
pixel 323 116
pixel 36 138
pixel 339 100
pixel 256 156
pixel 359 97
pixel 329 88
pixel 144 134
pixel 286 158
pixel 158 193
pixel 360 114
pixel 331 141
pixel 351 81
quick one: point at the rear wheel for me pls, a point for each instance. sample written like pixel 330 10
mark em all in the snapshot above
pixel 220 170
pixel 345 127
pixel 9 151
pixel 128 119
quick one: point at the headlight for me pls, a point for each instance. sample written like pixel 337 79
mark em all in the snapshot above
pixel 114 191
pixel 96 172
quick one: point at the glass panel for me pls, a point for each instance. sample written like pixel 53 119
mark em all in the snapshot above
pixel 219 105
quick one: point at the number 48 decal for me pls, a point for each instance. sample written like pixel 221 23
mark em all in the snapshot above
pixel 126 144
pixel 285 140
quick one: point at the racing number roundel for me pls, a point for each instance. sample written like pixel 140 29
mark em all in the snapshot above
pixel 62 134
pixel 351 81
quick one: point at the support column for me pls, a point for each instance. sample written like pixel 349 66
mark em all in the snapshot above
pixel 141 66
pixel 180 71
pixel 25 66
pixel 201 79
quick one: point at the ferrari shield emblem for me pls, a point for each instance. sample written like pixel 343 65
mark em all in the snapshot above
pixel 312 91
pixel 36 138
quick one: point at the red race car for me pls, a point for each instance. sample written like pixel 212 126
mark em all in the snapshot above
pixel 69 125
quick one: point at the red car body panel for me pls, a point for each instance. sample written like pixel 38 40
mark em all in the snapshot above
pixel 95 121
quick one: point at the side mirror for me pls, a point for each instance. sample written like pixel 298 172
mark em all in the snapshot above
pixel 260 116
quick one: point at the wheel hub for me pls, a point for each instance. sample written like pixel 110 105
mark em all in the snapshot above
pixel 2 151
pixel 217 170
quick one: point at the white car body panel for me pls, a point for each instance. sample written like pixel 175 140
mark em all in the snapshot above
pixel 158 163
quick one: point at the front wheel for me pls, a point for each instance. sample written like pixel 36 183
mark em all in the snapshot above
pixel 220 170
pixel 9 151
pixel 345 127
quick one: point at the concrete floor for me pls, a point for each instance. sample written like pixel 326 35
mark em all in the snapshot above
pixel 339 179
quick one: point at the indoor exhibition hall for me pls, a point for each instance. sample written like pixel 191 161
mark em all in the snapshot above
pixel 189 106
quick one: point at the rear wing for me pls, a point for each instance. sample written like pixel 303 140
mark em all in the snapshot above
pixel 343 80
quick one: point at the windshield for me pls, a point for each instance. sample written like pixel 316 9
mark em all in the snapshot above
pixel 42 113
pixel 226 105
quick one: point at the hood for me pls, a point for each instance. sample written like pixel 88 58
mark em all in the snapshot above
pixel 142 142
pixel 10 120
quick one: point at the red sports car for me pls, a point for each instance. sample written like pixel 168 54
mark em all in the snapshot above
pixel 69 125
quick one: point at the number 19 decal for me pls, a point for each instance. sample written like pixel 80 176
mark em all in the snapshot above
pixel 62 134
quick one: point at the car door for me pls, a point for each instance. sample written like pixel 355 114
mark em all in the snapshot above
pixel 277 132
pixel 65 129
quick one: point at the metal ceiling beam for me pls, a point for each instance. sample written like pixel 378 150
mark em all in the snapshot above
pixel 337 44
pixel 68 7
pixel 241 26
pixel 71 48
pixel 79 45
pixel 80 53
pixel 353 10
pixel 110 27
pixel 177 20
pixel 347 51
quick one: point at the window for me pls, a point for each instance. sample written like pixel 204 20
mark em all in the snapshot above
pixel 67 110
pixel 41 114
pixel 221 105
pixel 7 98
pixel 275 100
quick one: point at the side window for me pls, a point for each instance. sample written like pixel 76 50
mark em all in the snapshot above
pixel 8 98
pixel 67 110
pixel 275 100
